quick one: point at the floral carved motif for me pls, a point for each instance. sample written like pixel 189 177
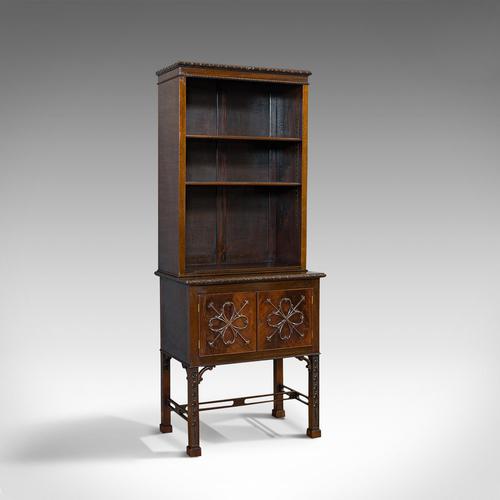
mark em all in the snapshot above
pixel 285 319
pixel 228 323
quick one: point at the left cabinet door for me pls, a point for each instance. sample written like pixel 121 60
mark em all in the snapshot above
pixel 227 323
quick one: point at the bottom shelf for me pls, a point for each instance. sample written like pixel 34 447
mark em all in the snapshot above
pixel 251 268
pixel 235 229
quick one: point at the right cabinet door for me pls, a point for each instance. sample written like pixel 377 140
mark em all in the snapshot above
pixel 285 319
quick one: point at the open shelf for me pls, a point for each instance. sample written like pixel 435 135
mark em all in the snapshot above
pixel 243 110
pixel 242 184
pixel 243 137
pixel 247 268
pixel 242 161
pixel 242 227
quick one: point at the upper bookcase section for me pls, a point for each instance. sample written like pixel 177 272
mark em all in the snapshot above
pixel 232 72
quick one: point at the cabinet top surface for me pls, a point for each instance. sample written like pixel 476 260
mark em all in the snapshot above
pixel 250 278
pixel 180 64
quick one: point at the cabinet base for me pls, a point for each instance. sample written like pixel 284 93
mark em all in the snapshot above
pixel 314 433
pixel 164 428
pixel 193 451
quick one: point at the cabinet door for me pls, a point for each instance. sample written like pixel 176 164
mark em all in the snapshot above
pixel 285 319
pixel 227 323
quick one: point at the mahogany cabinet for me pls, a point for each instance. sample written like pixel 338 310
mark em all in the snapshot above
pixel 232 232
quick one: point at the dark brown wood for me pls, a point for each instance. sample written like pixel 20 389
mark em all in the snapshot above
pixel 182 176
pixel 165 425
pixel 264 350
pixel 285 319
pixel 243 184
pixel 193 448
pixel 174 319
pixel 246 137
pixel 313 431
pixel 227 323
pixel 242 278
pixel 234 227
pixel 303 192
pixel 278 410
pixel 230 67
pixel 168 174
pixel 232 231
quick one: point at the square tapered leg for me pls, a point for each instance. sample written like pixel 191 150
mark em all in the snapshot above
pixel 165 425
pixel 193 449
pixel 278 410
pixel 313 431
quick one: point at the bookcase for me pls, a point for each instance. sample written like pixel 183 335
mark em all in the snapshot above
pixel 232 191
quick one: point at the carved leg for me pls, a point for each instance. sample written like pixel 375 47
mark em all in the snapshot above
pixel 165 425
pixel 193 449
pixel 278 411
pixel 313 431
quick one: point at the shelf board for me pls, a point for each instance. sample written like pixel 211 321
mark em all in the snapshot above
pixel 263 267
pixel 243 138
pixel 243 184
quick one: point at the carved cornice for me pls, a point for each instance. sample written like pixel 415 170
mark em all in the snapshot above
pixel 252 69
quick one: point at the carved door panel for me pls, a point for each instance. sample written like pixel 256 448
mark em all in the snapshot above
pixel 227 323
pixel 285 319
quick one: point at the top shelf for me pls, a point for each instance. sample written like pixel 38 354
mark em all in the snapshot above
pixel 243 138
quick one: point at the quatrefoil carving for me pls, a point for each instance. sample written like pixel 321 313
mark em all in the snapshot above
pixel 228 323
pixel 285 318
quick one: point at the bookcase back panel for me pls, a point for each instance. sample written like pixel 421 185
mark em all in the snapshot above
pixel 201 224
pixel 252 161
pixel 287 220
pixel 201 104
pixel 247 232
pixel 231 107
pixel 286 111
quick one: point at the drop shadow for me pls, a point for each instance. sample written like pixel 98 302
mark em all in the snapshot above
pixel 93 438
pixel 247 427
pixel 113 438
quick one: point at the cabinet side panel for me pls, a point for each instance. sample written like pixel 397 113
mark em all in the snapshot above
pixel 168 176
pixel 305 138
pixel 174 319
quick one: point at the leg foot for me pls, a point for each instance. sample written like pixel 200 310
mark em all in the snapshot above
pixel 193 451
pixel 165 428
pixel 278 413
pixel 314 433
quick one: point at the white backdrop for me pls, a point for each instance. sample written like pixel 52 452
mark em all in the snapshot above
pixel 404 217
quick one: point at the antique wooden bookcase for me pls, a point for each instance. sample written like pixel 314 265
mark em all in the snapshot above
pixel 232 232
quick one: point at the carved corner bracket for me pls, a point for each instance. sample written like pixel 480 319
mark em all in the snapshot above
pixel 306 360
pixel 203 370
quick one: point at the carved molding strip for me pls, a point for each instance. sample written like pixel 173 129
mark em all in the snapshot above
pixel 252 278
pixel 227 323
pixel 178 64
pixel 285 318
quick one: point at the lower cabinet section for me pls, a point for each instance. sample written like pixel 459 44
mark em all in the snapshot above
pixel 250 321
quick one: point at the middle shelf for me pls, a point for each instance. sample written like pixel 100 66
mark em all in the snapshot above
pixel 268 138
pixel 242 183
pixel 238 162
